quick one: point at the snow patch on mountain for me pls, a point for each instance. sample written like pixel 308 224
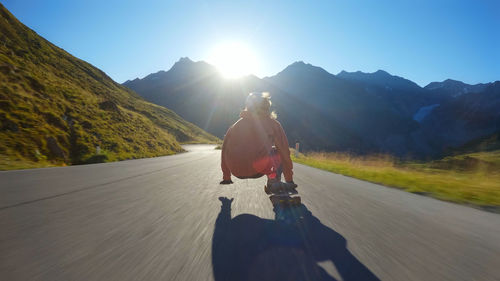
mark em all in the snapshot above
pixel 423 112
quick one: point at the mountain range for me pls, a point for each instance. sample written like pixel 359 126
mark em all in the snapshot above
pixel 57 108
pixel 351 111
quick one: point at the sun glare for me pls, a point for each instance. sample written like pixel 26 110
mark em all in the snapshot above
pixel 233 60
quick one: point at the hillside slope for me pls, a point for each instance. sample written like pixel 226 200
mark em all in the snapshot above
pixel 463 119
pixel 55 108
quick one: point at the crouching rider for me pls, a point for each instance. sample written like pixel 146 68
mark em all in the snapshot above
pixel 256 145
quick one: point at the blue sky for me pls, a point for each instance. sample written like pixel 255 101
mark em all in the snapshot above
pixel 423 41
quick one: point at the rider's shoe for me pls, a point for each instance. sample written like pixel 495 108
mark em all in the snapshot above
pixel 276 186
pixel 272 186
pixel 290 185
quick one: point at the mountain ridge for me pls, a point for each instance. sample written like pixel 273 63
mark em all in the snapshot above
pixel 342 73
pixel 456 88
pixel 380 78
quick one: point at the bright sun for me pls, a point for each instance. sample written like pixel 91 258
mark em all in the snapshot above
pixel 233 59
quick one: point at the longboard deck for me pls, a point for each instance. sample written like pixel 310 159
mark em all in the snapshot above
pixel 285 199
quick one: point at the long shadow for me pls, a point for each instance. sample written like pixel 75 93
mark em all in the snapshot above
pixel 288 248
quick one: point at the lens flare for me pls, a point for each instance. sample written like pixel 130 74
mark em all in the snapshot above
pixel 233 59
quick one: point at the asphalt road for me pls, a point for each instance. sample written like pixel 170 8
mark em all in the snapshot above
pixel 162 219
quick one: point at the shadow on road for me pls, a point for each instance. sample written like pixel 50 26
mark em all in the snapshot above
pixel 288 248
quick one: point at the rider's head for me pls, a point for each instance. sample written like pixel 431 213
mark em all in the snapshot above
pixel 259 104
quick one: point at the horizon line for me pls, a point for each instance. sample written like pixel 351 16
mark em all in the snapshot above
pixel 306 63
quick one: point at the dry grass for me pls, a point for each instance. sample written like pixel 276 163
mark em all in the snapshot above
pixel 477 185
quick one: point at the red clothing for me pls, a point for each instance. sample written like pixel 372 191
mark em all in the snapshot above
pixel 247 147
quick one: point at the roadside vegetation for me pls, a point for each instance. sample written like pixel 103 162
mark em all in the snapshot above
pixel 58 110
pixel 471 179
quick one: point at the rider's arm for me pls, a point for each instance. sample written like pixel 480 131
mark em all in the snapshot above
pixel 281 144
pixel 226 173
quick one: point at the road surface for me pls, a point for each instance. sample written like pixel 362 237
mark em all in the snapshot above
pixel 161 219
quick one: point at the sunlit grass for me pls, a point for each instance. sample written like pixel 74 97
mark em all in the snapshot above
pixel 57 110
pixel 8 163
pixel 477 185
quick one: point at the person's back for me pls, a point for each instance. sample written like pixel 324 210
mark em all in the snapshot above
pixel 256 144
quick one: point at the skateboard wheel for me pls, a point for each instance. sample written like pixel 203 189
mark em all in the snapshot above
pixel 266 189
pixel 296 200
pixel 275 201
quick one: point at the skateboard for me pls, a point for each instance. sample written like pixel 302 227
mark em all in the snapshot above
pixel 284 198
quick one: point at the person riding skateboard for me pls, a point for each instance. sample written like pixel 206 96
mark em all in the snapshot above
pixel 256 145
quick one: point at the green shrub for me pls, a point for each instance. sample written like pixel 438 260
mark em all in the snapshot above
pixel 98 158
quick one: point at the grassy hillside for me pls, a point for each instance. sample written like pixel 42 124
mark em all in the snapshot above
pixel 487 143
pixel 56 109
pixel 472 178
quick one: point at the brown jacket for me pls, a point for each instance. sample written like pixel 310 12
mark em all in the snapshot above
pixel 249 140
